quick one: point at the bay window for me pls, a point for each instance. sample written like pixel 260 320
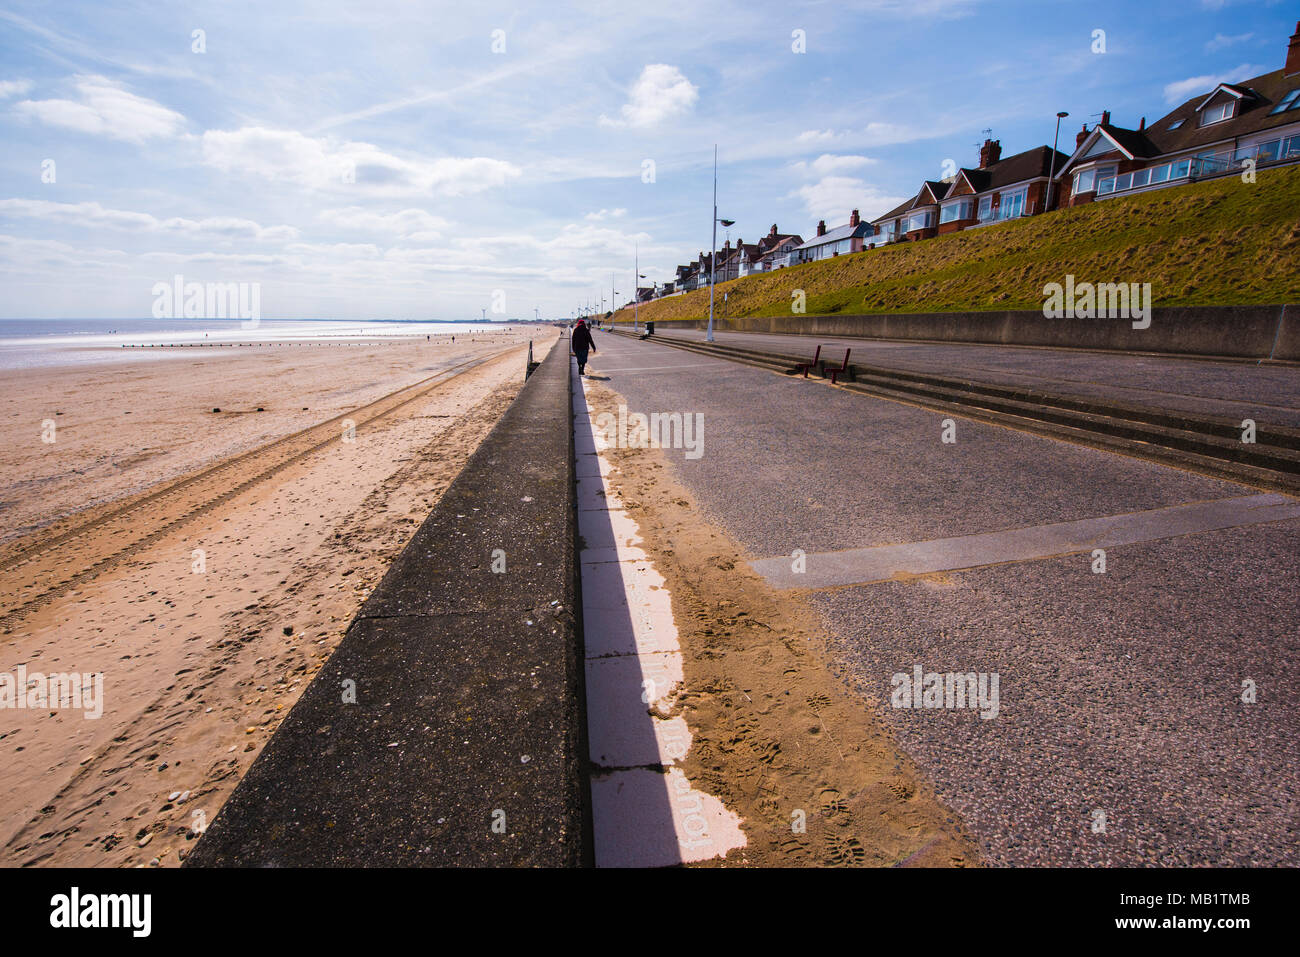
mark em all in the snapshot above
pixel 955 211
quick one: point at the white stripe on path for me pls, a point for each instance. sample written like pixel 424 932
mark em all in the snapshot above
pixel 864 566
pixel 645 812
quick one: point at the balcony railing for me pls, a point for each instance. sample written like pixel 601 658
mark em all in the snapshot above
pixel 1199 167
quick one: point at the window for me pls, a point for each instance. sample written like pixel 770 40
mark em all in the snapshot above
pixel 1176 124
pixel 920 220
pixel 1160 174
pixel 1089 178
pixel 1141 177
pixel 954 211
pixel 1291 147
pixel 1216 113
pixel 1180 169
pixel 986 207
pixel 1289 102
pixel 1106 185
pixel 1013 204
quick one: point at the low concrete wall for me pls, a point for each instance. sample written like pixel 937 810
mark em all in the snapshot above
pixel 468 686
pixel 1287 345
pixel 1245 332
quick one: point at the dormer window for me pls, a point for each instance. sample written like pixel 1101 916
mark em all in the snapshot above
pixel 1176 124
pixel 1289 102
pixel 1217 112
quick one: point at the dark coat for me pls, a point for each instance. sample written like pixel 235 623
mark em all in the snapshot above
pixel 582 340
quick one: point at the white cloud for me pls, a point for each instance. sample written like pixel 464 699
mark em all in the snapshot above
pixel 93 215
pixel 10 88
pixel 873 134
pixel 413 224
pixel 606 213
pixel 1221 42
pixel 105 109
pixel 660 93
pixel 820 136
pixel 828 165
pixel 1182 90
pixel 832 197
pixel 287 155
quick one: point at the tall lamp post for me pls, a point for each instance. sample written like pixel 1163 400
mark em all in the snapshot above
pixel 713 249
pixel 1051 176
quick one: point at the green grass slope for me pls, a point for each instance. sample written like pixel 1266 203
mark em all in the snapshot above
pixel 1223 242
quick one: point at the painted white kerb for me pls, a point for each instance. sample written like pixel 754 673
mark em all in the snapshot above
pixel 645 812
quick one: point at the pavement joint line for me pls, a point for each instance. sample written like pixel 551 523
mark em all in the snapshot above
pixel 645 812
pixel 881 563
pixel 698 365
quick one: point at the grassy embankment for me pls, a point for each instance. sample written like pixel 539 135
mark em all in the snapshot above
pixel 1222 242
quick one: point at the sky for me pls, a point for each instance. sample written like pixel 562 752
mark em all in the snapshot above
pixel 391 159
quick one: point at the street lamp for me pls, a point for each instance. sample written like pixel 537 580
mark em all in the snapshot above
pixel 713 250
pixel 636 286
pixel 1051 176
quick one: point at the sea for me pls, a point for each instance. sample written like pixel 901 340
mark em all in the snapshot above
pixel 34 343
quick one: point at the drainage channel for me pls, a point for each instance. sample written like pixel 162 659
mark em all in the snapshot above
pixel 645 812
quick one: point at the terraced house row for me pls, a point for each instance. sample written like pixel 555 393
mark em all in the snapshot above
pixel 1236 127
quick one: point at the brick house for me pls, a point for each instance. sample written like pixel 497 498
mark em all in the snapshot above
pixel 773 251
pixel 1216 133
pixel 998 189
pixel 840 241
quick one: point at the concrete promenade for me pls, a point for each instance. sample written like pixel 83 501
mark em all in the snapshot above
pixel 448 727
pixel 1122 736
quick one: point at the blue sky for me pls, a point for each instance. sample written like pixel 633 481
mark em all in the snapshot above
pixel 383 160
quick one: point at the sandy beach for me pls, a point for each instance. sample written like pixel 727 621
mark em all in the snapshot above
pixel 212 561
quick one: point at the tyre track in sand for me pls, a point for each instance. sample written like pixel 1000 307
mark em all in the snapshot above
pixel 102 811
pixel 36 570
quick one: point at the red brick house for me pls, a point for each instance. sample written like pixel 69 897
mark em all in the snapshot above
pixel 998 189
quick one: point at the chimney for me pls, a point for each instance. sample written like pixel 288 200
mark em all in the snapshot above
pixel 853 218
pixel 1293 54
pixel 1081 136
pixel 821 227
pixel 773 232
pixel 1105 117
pixel 990 153
pixel 1142 124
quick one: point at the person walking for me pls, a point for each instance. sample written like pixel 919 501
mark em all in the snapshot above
pixel 582 342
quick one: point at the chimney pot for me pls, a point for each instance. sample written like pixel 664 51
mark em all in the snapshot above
pixel 773 233
pixel 1293 54
pixel 1105 117
pixel 1081 136
pixel 821 227
pixel 1142 124
pixel 990 153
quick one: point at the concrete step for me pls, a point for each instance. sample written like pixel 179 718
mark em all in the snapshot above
pixel 1205 443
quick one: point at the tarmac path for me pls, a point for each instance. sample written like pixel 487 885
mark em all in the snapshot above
pixel 1121 736
pixel 1237 389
